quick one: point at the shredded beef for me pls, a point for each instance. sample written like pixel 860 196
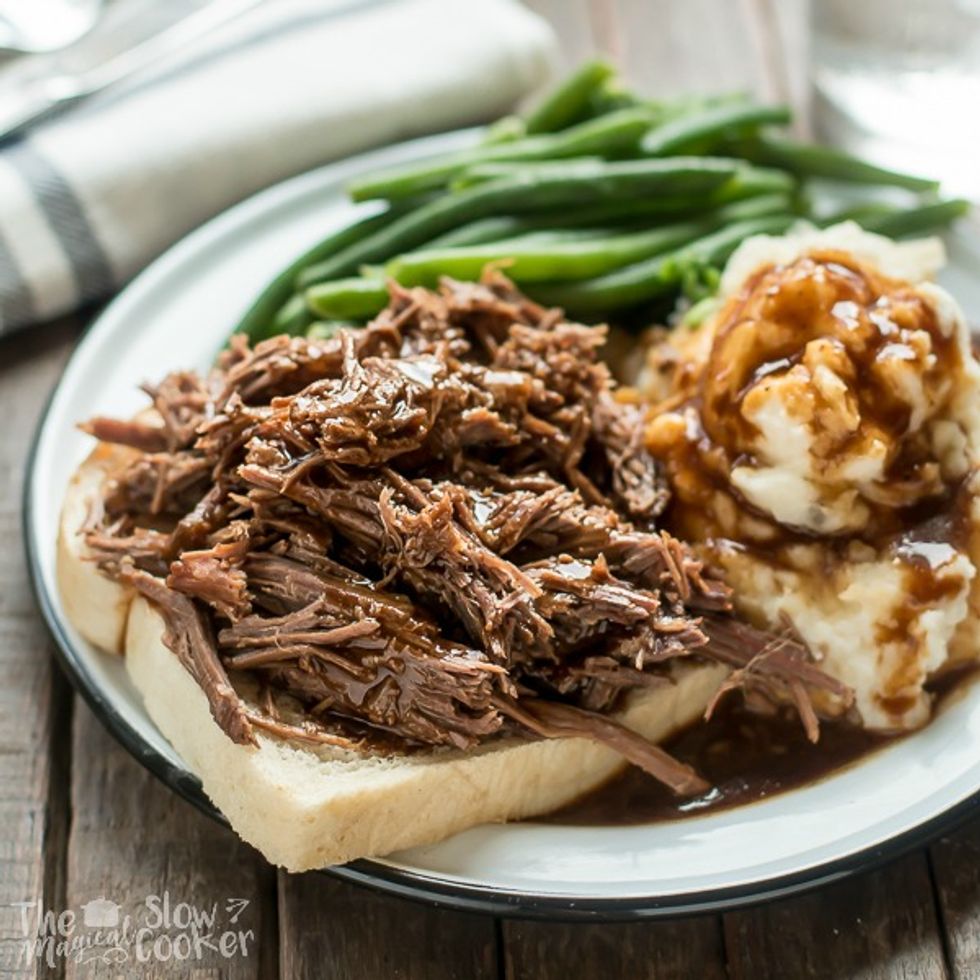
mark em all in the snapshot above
pixel 440 527
pixel 190 635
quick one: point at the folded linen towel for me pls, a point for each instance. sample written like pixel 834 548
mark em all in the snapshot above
pixel 86 200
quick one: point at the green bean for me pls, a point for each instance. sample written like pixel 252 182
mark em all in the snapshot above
pixel 654 277
pixel 529 231
pixel 484 172
pixel 580 225
pixel 856 212
pixel 915 221
pixel 569 102
pixel 887 218
pixel 293 316
pixel 547 226
pixel 747 180
pixel 701 131
pixel 808 160
pixel 699 281
pixel 505 129
pixel 522 193
pixel 537 261
pixel 347 299
pixel 493 229
pixel 258 321
pixel 691 105
pixel 715 249
pixel 751 181
pixel 590 171
pixel 612 95
pixel 565 256
pixel 756 207
pixel 698 312
pixel 608 135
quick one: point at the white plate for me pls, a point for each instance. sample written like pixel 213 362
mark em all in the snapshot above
pixel 176 314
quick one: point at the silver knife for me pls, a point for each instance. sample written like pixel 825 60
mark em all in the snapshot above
pixel 37 100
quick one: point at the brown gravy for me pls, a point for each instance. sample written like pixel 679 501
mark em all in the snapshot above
pixel 746 757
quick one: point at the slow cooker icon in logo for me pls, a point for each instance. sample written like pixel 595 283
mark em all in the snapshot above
pixel 100 913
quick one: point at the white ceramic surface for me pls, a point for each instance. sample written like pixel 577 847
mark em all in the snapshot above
pixel 176 314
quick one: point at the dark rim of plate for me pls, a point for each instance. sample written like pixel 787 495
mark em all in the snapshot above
pixel 433 890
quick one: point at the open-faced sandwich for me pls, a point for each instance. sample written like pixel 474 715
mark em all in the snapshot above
pixel 381 587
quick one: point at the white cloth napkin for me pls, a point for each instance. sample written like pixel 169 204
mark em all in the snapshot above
pixel 88 199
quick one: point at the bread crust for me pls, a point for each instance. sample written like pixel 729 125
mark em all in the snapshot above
pixel 96 605
pixel 306 807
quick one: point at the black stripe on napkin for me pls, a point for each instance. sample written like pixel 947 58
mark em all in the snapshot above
pixel 16 302
pixel 67 219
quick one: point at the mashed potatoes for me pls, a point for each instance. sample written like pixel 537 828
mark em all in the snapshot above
pixel 822 430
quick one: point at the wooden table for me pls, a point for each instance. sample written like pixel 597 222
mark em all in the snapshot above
pixel 79 819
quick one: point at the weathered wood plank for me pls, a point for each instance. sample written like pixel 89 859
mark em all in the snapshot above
pixel 331 930
pixel 641 951
pixel 34 698
pixel 785 40
pixel 956 873
pixel 880 925
pixel 703 46
pixel 570 20
pixel 136 844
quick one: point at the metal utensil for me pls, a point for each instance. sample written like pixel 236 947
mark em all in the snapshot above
pixel 37 100
pixel 36 26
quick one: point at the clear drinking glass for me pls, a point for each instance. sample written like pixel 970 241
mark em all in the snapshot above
pixel 898 81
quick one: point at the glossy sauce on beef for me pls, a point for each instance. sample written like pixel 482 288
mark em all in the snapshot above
pixel 747 757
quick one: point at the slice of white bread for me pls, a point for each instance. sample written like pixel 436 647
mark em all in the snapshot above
pixel 96 605
pixel 305 806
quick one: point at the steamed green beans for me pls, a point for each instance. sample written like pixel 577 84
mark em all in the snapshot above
pixel 915 221
pixel 521 193
pixel 888 218
pixel 813 160
pixel 598 200
pixel 571 100
pixel 510 228
pixel 608 135
pixel 748 184
pixel 260 320
pixel 292 317
pixel 603 180
pixel 644 281
pixel 567 256
pixel 482 230
pixel 676 250
pixel 742 199
pixel 703 131
pixel 533 261
pixel 347 299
